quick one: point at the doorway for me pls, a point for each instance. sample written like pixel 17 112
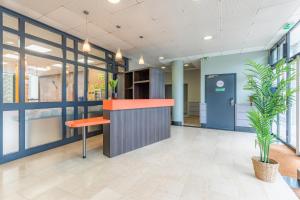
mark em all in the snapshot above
pixel 220 98
pixel 168 94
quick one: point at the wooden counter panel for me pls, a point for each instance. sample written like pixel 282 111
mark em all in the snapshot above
pixel 133 129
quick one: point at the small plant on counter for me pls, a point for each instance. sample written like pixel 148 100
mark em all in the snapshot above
pixel 113 85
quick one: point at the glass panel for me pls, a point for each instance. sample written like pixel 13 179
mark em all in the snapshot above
pixel 43 79
pixel 282 122
pixel 110 77
pixel 10 21
pixel 97 63
pixel 121 69
pixel 70 82
pixel 95 111
pixel 10 132
pixel 11 39
pixel 35 122
pixel 274 56
pixel 69 117
pixel 80 85
pixel 295 41
pixel 42 48
pixel 70 55
pixel 80 46
pixel 97 52
pixel 96 85
pixel 10 76
pixel 293 133
pixel 42 33
pixel 81 58
pixel 80 116
pixel 70 43
pixel 281 50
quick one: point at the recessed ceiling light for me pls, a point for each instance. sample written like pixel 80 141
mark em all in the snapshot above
pixel 163 67
pixel 12 56
pixel 208 37
pixel 37 48
pixel 161 58
pixel 186 65
pixel 114 1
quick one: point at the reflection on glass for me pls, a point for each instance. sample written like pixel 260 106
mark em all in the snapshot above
pixel 70 43
pixel 70 82
pixel 35 122
pixel 95 111
pixel 80 116
pixel 110 77
pixel 281 50
pixel 10 21
pixel 10 76
pixel 42 33
pixel 96 85
pixel 10 132
pixel 69 117
pixel 274 55
pixel 293 133
pixel 70 55
pixel 80 58
pixel 11 39
pixel 97 52
pixel 43 79
pixel 282 121
pixel 295 41
pixel 39 47
pixel 80 86
pixel 97 63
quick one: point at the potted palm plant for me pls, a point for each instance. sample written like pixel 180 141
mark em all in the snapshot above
pixel 113 85
pixel 269 100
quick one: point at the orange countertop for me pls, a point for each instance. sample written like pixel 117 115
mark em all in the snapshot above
pixel 87 122
pixel 126 104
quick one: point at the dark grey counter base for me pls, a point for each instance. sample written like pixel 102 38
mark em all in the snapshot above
pixel 133 129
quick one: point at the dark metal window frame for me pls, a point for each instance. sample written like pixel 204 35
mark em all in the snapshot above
pixel 22 106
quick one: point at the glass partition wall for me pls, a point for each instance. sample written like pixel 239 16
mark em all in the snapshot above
pixel 47 80
pixel 287 126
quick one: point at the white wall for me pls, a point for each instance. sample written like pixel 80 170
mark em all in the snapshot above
pixel 231 64
pixel 192 78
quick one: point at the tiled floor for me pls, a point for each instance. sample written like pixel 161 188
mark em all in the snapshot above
pixel 195 164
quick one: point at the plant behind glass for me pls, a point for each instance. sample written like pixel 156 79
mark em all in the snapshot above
pixel 269 101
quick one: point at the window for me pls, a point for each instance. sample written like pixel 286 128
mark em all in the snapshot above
pixel 281 50
pixel 69 117
pixel 10 76
pixel 35 122
pixel 96 85
pixel 97 52
pixel 95 111
pixel 42 48
pixel 274 56
pixel 10 21
pixel 10 132
pixel 11 39
pixel 42 33
pixel 283 122
pixel 96 63
pixel 70 82
pixel 70 55
pixel 295 41
pixel 80 84
pixel 70 43
pixel 293 109
pixel 43 80
pixel 110 77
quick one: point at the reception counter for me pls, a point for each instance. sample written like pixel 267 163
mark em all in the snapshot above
pixel 134 124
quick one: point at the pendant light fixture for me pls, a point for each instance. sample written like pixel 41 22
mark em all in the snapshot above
pixel 119 54
pixel 86 45
pixel 141 60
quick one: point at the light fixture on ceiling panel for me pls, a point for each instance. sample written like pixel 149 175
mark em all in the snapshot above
pixel 114 1
pixel 141 60
pixel 86 45
pixel 163 67
pixel 119 54
pixel 208 37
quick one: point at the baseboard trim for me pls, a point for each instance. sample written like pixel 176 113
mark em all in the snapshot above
pixel 244 129
pixel 175 123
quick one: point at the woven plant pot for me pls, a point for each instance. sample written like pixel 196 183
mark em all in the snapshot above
pixel 265 171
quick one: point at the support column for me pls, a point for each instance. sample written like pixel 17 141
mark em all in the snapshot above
pixel 178 92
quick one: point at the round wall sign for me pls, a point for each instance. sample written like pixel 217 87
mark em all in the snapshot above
pixel 220 83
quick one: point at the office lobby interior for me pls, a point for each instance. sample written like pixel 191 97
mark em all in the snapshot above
pixel 149 99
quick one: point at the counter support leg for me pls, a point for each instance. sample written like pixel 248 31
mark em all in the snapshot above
pixel 84 142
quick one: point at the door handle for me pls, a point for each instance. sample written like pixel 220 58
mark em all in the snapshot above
pixel 232 102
